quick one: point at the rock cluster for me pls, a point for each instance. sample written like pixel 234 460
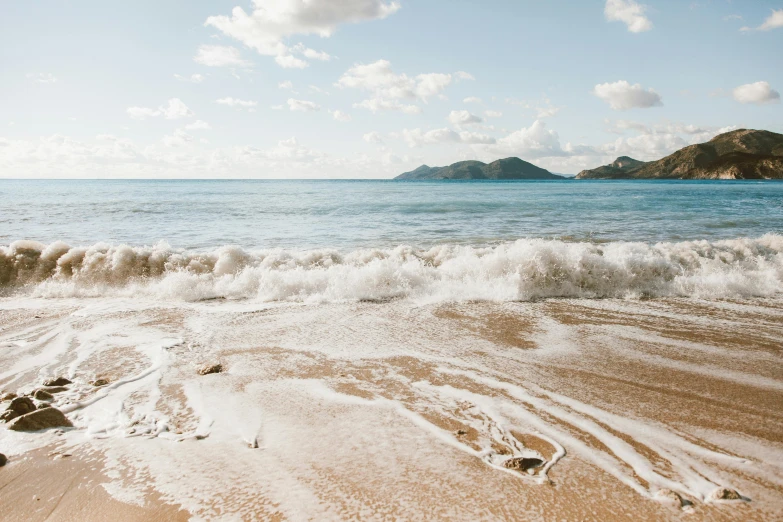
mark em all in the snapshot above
pixel 22 414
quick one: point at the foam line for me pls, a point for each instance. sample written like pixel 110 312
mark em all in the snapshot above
pixel 526 269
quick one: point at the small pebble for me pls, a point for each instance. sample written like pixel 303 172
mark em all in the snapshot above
pixel 725 494
pixel 210 368
pixel 523 463
pixel 669 497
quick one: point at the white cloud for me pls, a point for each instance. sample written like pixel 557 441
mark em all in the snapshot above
pixel 386 86
pixel 655 141
pixel 317 89
pixel 547 112
pixel 472 99
pixel 773 21
pixel 286 85
pixel 173 110
pixel 418 137
pixel 493 114
pixel 310 53
pixel 42 78
pixel 142 113
pixel 543 107
pixel 463 118
pixel 177 139
pixel 380 104
pixel 236 102
pixel 630 12
pixel 373 137
pixel 289 61
pixel 176 156
pixel 198 125
pixel 220 56
pixel 462 75
pixel 759 93
pixel 286 150
pixel 340 115
pixel 534 142
pixel 176 109
pixel 622 95
pixel 193 78
pixel 302 105
pixel 270 23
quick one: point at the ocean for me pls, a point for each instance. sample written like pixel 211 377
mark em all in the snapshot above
pixel 378 350
pixel 333 240
pixel 346 215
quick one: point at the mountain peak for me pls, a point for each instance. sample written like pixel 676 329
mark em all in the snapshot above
pixel 502 169
pixel 737 154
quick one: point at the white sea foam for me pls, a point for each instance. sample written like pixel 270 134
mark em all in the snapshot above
pixel 526 269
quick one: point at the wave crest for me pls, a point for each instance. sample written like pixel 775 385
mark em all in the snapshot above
pixel 526 269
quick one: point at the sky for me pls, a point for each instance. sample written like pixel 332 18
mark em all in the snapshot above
pixel 372 88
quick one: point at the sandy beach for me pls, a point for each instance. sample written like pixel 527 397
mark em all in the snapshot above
pixel 393 410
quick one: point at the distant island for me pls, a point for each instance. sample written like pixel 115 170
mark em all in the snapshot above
pixel 509 168
pixel 740 154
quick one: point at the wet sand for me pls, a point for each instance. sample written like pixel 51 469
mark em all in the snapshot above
pixel 398 410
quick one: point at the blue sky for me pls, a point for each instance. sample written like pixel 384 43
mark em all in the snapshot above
pixel 372 88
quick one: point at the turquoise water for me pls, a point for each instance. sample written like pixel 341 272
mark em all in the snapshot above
pixel 382 214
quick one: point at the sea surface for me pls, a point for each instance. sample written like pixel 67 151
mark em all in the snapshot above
pixel 326 241
pixel 382 214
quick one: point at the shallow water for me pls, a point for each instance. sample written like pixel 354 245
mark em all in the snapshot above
pixel 393 410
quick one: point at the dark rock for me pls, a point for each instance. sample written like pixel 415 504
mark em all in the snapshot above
pixel 523 463
pixel 3 460
pixel 462 432
pixel 59 381
pixel 42 395
pixel 725 494
pixel 19 406
pixel 8 397
pixel 40 420
pixel 210 368
pixel 99 382
pixel 55 389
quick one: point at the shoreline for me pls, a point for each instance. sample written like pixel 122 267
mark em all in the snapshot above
pixel 400 410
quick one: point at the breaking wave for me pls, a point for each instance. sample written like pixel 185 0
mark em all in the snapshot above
pixel 523 270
